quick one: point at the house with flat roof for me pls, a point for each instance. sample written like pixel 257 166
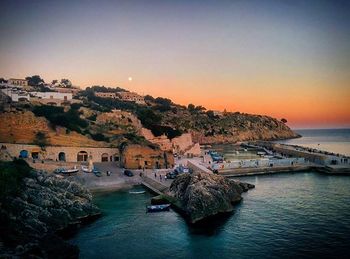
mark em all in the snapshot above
pixel 18 82
pixel 107 95
pixel 131 97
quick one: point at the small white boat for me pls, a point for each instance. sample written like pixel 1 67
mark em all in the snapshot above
pixel 86 169
pixel 66 171
pixel 158 208
pixel 137 192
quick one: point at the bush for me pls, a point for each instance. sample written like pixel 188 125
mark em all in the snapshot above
pixel 11 175
pixel 148 118
pixel 41 139
pixel 99 137
pixel 56 115
pixel 92 117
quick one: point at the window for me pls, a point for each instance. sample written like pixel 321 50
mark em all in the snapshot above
pixel 82 156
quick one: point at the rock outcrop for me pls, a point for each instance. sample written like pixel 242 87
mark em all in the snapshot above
pixel 45 205
pixel 202 195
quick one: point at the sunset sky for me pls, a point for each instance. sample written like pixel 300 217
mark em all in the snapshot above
pixel 286 59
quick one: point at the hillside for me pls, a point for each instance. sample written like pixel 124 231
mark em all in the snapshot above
pixel 22 127
pixel 162 116
pixel 95 121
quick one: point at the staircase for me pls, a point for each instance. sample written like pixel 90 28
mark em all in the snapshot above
pixel 154 185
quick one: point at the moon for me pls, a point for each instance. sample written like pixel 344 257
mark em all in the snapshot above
pixel 130 78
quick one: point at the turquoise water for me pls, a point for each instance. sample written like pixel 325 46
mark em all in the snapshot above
pixel 286 215
pixel 333 140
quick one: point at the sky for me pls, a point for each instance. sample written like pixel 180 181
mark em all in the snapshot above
pixel 287 59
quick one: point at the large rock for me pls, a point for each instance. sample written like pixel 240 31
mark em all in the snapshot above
pixel 202 195
pixel 45 204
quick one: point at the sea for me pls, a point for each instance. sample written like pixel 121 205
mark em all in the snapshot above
pixel 289 215
pixel 332 140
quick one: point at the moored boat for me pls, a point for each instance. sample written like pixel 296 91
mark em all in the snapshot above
pixel 158 208
pixel 137 192
pixel 86 169
pixel 66 171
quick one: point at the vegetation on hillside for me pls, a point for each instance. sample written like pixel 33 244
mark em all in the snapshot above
pixel 11 175
pixel 58 117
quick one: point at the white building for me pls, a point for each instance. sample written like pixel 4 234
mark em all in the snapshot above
pixel 16 95
pixel 53 95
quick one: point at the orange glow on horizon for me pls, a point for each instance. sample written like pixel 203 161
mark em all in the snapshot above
pixel 313 106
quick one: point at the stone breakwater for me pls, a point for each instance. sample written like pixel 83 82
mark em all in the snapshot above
pixel 201 195
pixel 44 206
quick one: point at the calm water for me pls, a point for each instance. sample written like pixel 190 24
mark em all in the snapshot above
pixel 290 215
pixel 333 140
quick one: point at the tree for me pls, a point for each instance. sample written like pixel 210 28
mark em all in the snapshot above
pixel 200 108
pixel 149 98
pixel 191 107
pixel 284 120
pixel 163 101
pixel 211 114
pixel 35 80
pixel 55 81
pixel 2 80
pixel 41 139
pixel 66 83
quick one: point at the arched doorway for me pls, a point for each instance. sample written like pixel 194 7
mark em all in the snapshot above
pixel 23 154
pixel 35 155
pixel 116 157
pixel 62 156
pixel 104 157
pixel 82 156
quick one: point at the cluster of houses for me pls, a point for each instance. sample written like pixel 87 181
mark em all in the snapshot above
pixel 123 96
pixel 18 90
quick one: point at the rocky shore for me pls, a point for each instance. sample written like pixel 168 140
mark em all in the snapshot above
pixel 44 206
pixel 201 195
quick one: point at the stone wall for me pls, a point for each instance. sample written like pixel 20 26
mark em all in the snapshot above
pixel 162 141
pixel 137 157
pixel 56 153
pixel 181 145
pixel 120 117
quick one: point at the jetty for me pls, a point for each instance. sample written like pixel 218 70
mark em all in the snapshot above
pixel 154 185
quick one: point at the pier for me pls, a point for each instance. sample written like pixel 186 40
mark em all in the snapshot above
pixel 151 183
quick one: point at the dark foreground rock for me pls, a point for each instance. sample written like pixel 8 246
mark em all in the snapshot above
pixel 202 195
pixel 44 206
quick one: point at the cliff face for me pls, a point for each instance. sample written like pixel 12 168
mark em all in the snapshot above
pixel 21 127
pixel 45 205
pixel 248 133
pixel 203 195
pixel 229 127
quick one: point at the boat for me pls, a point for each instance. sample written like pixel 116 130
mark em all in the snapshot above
pixel 137 192
pixel 86 169
pixel 66 171
pixel 158 208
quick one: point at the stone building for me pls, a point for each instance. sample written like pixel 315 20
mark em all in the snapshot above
pixel 131 97
pixel 107 95
pixel 18 82
pixel 138 157
pixel 52 98
pixel 63 154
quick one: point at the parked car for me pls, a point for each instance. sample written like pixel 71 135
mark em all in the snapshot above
pixel 97 173
pixel 128 173
pixel 171 175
